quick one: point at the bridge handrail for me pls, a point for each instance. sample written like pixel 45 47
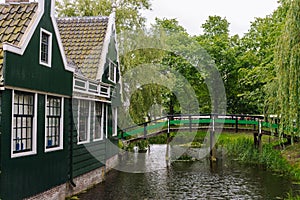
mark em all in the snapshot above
pixel 243 119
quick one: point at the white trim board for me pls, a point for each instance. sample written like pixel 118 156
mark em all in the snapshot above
pixel 108 33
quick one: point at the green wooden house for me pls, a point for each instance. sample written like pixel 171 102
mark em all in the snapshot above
pixel 90 45
pixel 56 89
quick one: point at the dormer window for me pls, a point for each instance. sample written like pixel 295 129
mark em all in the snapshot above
pixel 112 71
pixel 45 48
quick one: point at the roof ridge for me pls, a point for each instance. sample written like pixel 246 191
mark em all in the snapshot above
pixel 17 3
pixel 82 18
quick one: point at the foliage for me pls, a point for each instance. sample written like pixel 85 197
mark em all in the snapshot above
pixel 142 144
pixel 256 62
pixel 165 52
pixel 287 62
pixel 222 49
pixel 128 15
pixel 243 150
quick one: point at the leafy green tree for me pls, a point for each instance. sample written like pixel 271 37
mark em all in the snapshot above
pixel 222 48
pixel 287 62
pixel 128 15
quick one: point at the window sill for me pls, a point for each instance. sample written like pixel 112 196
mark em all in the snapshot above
pixel 53 149
pixel 83 142
pixel 45 64
pixel 16 155
pixel 97 140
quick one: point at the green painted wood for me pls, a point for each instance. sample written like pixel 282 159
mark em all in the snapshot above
pixel 140 130
pixel 86 169
pixel 24 71
pixel 248 122
pixel 45 170
pixel 26 176
pixel 92 155
pixel 269 125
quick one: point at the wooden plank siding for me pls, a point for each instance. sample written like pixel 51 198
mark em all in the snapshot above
pixel 28 175
pixel 89 156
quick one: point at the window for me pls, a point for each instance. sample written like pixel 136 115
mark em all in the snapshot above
pixel 84 121
pixel 98 133
pixel 45 47
pixel 54 128
pixel 105 120
pixel 23 124
pixel 92 121
pixel 114 121
pixel 112 71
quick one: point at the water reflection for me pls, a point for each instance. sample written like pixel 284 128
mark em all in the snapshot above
pixel 188 180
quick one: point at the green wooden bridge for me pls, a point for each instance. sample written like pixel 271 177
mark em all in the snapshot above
pixel 213 122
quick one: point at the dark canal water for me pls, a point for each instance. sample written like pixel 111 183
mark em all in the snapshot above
pixel 188 180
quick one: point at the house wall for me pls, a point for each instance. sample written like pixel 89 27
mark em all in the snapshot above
pixel 24 71
pixel 83 182
pixel 89 156
pixel 28 175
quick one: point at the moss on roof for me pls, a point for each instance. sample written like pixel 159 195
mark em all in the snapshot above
pixel 83 39
pixel 14 21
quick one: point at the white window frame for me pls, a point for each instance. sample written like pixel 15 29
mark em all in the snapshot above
pixel 61 134
pixel 111 65
pixel 89 123
pixel 106 120
pixel 34 129
pixel 114 122
pixel 101 123
pixel 49 48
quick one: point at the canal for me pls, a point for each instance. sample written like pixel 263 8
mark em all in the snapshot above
pixel 188 180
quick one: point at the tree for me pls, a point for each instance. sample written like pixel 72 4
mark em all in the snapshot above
pixel 128 16
pixel 222 48
pixel 287 62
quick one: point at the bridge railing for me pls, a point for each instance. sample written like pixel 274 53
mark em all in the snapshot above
pixel 188 122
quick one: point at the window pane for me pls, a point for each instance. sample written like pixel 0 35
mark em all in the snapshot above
pixel 53 119
pixel 98 116
pixel 83 120
pixel 22 121
pixel 44 47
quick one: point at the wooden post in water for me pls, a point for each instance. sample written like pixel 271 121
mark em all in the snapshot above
pixel 168 145
pixel 168 133
pixel 145 130
pixel 212 140
pixel 259 136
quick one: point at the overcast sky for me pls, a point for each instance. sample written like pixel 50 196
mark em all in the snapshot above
pixel 192 13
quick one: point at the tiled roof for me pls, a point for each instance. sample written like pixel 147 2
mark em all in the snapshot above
pixel 83 38
pixel 14 20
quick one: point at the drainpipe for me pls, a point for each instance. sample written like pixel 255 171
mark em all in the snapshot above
pixel 71 144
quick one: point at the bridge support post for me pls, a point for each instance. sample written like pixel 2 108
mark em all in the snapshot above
pixel 168 133
pixel 190 123
pixel 257 137
pixel 236 124
pixel 212 146
pixel 212 141
pixel 276 129
pixel 145 130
